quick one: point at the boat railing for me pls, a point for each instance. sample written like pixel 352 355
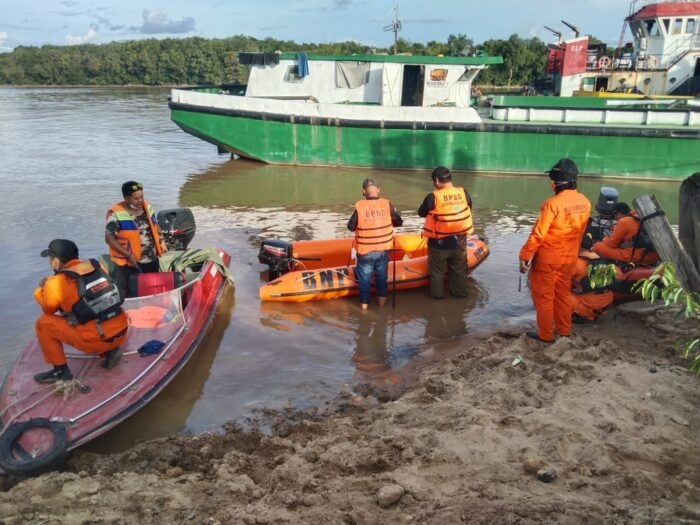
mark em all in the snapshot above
pixel 679 50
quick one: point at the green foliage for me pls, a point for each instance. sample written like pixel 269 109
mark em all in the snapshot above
pixel 664 285
pixel 601 275
pixel 524 61
pixel 199 61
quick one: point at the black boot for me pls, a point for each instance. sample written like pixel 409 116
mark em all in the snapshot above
pixel 59 373
pixel 111 358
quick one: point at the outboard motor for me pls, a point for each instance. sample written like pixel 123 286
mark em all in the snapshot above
pixel 277 255
pixel 606 202
pixel 601 225
pixel 178 227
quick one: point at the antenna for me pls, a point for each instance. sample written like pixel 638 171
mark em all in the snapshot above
pixel 572 27
pixel 556 33
pixel 395 25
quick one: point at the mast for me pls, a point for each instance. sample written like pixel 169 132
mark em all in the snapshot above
pixel 395 26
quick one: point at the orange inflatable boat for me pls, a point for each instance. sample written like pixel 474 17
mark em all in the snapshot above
pixel 325 269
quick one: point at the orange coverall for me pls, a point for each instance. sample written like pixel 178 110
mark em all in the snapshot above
pixel 588 305
pixel 618 247
pixel 58 294
pixel 553 247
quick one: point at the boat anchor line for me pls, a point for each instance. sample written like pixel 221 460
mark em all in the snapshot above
pixel 48 392
pixel 170 340
pixel 73 420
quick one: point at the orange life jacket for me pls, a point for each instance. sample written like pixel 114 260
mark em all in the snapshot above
pixel 129 237
pixel 374 231
pixel 451 215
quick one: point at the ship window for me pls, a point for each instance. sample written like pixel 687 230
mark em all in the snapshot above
pixel 690 26
pixel 667 24
pixel 292 74
pixel 677 26
pixel 652 27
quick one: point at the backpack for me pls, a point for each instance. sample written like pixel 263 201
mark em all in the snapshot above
pixel 99 297
pixel 642 241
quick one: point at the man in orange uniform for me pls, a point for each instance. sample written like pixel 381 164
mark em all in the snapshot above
pixel 133 236
pixel 623 244
pixel 587 303
pixel 448 221
pixel 551 251
pixel 373 222
pixel 80 307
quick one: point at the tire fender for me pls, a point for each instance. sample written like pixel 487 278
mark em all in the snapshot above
pixel 14 459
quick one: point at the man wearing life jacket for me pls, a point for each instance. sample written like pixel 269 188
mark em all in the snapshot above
pixel 626 243
pixel 448 221
pixel 551 251
pixel 587 303
pixel 373 222
pixel 133 236
pixel 80 307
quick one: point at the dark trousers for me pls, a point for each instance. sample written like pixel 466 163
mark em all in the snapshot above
pixel 456 262
pixel 121 274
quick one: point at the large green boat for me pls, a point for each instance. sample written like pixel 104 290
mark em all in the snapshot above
pixel 416 112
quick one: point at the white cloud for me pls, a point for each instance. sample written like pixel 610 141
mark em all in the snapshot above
pixel 158 22
pixel 3 37
pixel 71 40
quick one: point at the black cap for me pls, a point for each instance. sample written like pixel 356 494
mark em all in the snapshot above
pixel 130 187
pixel 369 182
pixel 442 174
pixel 63 249
pixel 565 170
pixel 621 207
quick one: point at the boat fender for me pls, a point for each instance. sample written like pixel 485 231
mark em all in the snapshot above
pixel 28 464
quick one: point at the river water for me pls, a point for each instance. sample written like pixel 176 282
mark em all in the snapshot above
pixel 64 153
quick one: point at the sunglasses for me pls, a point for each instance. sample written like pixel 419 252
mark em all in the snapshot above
pixel 136 187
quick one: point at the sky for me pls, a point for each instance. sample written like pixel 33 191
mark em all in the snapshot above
pixel 71 22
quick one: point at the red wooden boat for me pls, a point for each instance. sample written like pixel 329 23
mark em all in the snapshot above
pixel 41 422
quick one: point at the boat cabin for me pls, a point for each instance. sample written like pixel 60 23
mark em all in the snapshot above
pixel 384 80
pixel 663 58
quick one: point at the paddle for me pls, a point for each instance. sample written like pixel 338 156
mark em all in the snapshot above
pixel 393 280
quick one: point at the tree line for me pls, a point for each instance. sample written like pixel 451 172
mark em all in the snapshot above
pixel 199 61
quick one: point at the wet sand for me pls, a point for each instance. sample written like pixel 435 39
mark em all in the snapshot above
pixel 601 427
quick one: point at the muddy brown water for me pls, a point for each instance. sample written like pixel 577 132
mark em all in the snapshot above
pixel 65 154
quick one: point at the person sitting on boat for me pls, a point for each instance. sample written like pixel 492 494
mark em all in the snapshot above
pixel 133 236
pixel 373 222
pixel 627 243
pixel 448 221
pixel 587 303
pixel 551 251
pixel 81 307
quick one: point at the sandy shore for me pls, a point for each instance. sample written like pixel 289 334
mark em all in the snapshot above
pixel 601 427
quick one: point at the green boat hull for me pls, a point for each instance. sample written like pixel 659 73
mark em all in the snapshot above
pixel 491 146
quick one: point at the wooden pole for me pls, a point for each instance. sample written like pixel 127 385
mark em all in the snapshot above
pixel 689 217
pixel 668 246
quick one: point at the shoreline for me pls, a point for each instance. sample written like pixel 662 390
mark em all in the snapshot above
pixel 598 427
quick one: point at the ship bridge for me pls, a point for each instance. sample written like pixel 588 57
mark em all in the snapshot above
pixel 667 40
